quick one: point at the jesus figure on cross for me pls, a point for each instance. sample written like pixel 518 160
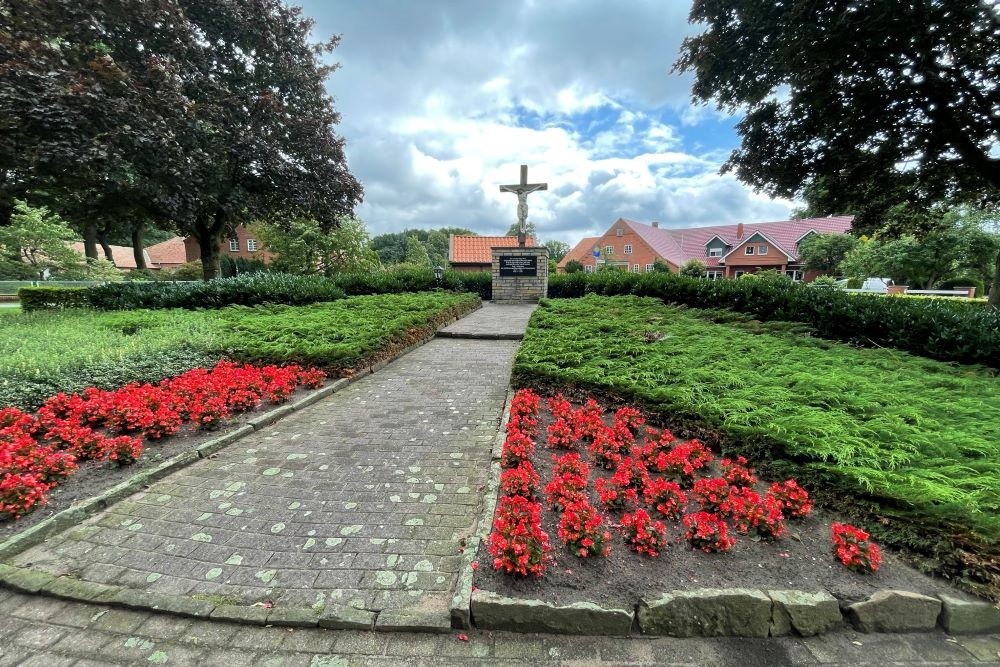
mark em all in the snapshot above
pixel 522 190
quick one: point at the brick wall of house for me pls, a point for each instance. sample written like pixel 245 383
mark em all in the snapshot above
pixel 243 236
pixel 641 255
pixel 738 260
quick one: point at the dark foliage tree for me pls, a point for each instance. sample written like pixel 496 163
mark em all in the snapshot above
pixel 200 113
pixel 391 247
pixel 861 106
pixel 825 252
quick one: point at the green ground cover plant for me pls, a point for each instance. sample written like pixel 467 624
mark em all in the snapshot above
pixel 42 353
pixel 914 443
pixel 950 330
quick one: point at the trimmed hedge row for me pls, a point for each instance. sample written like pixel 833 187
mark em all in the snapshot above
pixel 959 331
pixel 249 290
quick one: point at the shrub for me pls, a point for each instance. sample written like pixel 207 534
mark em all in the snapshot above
pixel 643 534
pixel 853 549
pixel 707 532
pixel 51 298
pixel 518 544
pixel 666 497
pixel 738 473
pixel 684 461
pixel 521 480
pixel 570 476
pixel 793 499
pixel 710 493
pixel 516 449
pixel 614 494
pixel 581 528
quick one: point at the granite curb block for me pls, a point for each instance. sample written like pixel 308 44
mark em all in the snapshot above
pixel 709 612
pixel 495 612
pixel 461 604
pixel 808 614
pixel 26 580
pixel 894 611
pixel 960 616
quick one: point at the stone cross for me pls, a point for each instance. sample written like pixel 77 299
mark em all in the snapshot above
pixel 522 190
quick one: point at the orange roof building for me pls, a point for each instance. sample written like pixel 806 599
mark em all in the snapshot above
pixel 474 253
pixel 581 252
pixel 167 254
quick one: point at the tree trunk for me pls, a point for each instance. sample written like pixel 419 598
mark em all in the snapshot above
pixel 994 299
pixel 103 240
pixel 208 243
pixel 90 240
pixel 137 250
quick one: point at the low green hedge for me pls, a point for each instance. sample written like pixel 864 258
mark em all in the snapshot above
pixel 949 330
pixel 252 289
pixel 52 298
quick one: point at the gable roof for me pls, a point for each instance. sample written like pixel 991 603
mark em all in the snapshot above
pixel 580 251
pixel 168 252
pixel 745 239
pixel 478 249
pixel 679 245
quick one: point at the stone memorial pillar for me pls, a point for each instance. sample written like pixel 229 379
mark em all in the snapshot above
pixel 520 275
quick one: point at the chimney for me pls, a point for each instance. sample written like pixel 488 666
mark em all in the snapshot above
pixel 739 231
pixel 655 223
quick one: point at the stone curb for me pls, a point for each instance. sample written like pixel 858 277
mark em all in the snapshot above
pixel 26 580
pixel 495 612
pixel 461 605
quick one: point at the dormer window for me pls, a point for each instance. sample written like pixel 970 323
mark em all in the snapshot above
pixel 748 250
pixel 715 252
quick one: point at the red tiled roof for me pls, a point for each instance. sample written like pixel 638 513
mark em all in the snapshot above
pixel 123 256
pixel 679 245
pixel 580 251
pixel 169 252
pixel 477 249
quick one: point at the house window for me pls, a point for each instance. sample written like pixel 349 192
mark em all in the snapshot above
pixel 794 275
pixel 714 275
pixel 628 249
pixel 748 250
pixel 251 245
pixel 738 274
pixel 715 252
pixel 234 245
pixel 635 268
pixel 588 268
pixel 619 231
pixel 649 268
pixel 609 250
pixel 762 250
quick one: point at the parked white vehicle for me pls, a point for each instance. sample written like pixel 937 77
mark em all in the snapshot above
pixel 869 285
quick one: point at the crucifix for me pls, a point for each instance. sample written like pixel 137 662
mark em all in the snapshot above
pixel 522 190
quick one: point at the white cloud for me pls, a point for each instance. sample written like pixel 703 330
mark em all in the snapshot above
pixel 441 102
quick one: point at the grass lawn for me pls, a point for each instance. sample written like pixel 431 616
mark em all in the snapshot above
pixel 46 352
pixel 919 438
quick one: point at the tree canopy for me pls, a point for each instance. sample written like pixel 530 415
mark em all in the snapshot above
pixel 863 106
pixel 198 113
pixel 825 252
pixel 303 246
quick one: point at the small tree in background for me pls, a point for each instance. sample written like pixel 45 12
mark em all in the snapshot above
pixel 304 247
pixel 416 253
pixel 35 243
pixel 573 266
pixel 557 250
pixel 693 268
pixel 659 266
pixel 825 252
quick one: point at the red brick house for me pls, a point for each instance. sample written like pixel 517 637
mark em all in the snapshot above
pixel 474 253
pixel 241 244
pixel 728 251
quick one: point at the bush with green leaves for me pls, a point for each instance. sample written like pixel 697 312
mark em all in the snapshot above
pixel 949 330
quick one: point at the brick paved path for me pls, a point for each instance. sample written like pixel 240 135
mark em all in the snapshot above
pixel 359 501
pixel 50 633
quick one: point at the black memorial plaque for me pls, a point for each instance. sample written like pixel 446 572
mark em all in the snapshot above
pixel 518 265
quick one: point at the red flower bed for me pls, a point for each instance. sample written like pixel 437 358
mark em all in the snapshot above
pixel 38 451
pixel 634 479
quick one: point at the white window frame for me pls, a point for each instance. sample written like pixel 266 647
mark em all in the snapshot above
pixel 715 252
pixel 234 245
pixel 713 275
pixel 636 268
pixel 737 274
pixel 762 250
pixel 797 275
pixel 748 250
pixel 619 232
pixel 588 268
pixel 650 268
pixel 627 249
pixel 609 250
pixel 251 245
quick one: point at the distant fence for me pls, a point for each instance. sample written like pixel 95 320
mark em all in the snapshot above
pixel 8 288
pixel 958 293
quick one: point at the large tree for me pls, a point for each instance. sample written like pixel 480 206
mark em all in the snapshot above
pixel 863 105
pixel 200 113
pixel 305 247
pixel 825 252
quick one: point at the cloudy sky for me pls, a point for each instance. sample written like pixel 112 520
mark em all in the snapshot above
pixel 442 100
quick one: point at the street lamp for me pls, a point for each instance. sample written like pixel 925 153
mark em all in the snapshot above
pixel 438 272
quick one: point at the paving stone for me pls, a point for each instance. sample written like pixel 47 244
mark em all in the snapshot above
pixel 732 612
pixel 895 611
pixel 806 613
pixel 495 612
pixel 342 617
pixel 963 616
